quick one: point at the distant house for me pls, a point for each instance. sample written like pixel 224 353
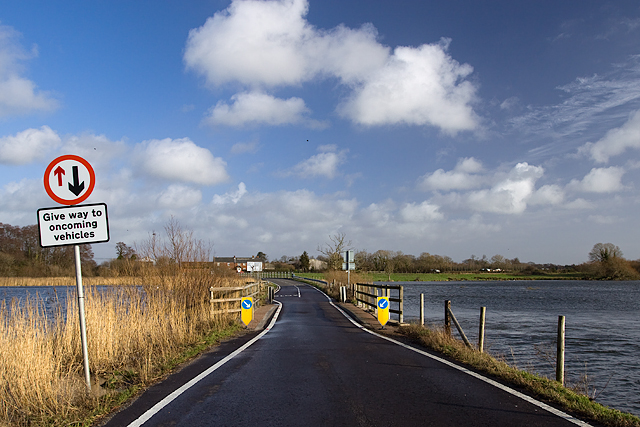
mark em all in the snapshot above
pixel 316 264
pixel 238 264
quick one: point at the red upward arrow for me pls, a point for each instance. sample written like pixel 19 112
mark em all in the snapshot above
pixel 59 171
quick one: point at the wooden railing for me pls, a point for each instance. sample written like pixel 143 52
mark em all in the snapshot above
pixel 267 274
pixel 229 297
pixel 366 296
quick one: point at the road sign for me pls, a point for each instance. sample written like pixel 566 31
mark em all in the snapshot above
pixel 73 225
pixel 69 179
pixel 254 266
pixel 349 262
pixel 383 310
pixel 246 314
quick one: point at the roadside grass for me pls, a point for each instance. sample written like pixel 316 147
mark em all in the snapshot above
pixel 134 338
pixel 539 387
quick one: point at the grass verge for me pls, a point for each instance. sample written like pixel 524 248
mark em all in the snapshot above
pixel 541 388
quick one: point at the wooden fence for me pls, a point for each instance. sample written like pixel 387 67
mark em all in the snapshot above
pixel 267 274
pixel 366 296
pixel 450 317
pixel 227 299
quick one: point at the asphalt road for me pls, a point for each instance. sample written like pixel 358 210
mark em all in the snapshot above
pixel 315 368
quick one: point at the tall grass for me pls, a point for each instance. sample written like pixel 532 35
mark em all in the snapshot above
pixel 133 336
pixel 64 281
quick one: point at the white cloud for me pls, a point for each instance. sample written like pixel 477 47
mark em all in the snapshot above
pixel 179 197
pixel 420 213
pixel 182 160
pixel 600 180
pixel 510 195
pixel 616 141
pixel 462 177
pixel 28 145
pixel 18 95
pixel 547 195
pixel 259 108
pixel 322 164
pixel 231 197
pixel 416 86
pixel 269 44
pixel 590 104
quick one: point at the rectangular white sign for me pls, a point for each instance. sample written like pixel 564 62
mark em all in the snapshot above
pixel 73 225
pixel 254 266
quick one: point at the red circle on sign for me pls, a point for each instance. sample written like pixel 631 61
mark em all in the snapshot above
pixel 80 199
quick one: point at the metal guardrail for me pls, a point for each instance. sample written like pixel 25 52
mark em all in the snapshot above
pixel 233 296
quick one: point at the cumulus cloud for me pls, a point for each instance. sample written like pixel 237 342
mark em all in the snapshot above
pixel 179 196
pixel 18 95
pixel 616 141
pixel 180 159
pixel 600 180
pixel 547 195
pixel 416 86
pixel 462 177
pixel 470 186
pixel 510 195
pixel 28 145
pixel 324 164
pixel 270 44
pixel 233 197
pixel 420 213
pixel 259 108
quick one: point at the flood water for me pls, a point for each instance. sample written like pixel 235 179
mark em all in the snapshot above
pixel 602 327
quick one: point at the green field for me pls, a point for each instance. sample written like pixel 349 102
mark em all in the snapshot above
pixel 456 276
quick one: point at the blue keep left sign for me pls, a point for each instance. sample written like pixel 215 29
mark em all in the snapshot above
pixel 383 303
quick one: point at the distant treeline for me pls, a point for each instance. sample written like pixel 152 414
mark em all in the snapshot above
pixel 21 255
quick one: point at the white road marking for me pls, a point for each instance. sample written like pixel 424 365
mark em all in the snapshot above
pixel 509 390
pixel 170 398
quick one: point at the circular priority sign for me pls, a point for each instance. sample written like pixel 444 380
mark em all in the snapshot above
pixel 69 179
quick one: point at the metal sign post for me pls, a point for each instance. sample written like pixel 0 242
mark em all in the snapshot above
pixel 83 325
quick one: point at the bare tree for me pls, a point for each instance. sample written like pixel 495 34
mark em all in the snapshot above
pixel 180 246
pixel 333 249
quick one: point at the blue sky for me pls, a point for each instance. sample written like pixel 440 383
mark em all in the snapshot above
pixel 456 128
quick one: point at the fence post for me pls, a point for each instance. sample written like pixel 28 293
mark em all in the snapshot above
pixel 560 354
pixel 401 315
pixel 422 309
pixel 483 311
pixel 447 317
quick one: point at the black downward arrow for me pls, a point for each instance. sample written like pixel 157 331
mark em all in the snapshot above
pixel 77 187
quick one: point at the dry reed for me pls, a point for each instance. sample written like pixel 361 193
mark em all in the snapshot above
pixel 134 333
